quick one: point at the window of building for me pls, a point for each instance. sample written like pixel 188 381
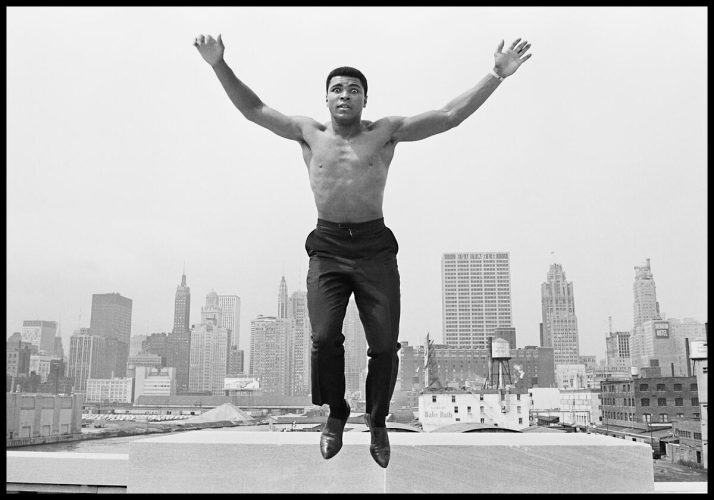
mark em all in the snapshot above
pixel 645 401
pixel 695 401
pixel 663 417
pixel 677 387
pixel 468 409
pixel 482 420
pixel 456 409
pixel 661 401
pixel 518 397
pixel 480 397
pixel 433 399
pixel 680 415
pixel 453 398
pixel 643 387
pixel 660 387
pixel 646 417
pixel 695 415
pixel 678 402
pixel 518 409
pixel 520 420
pixel 693 387
pixel 481 409
pixel 698 435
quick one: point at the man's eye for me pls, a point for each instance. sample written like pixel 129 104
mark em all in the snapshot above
pixel 355 91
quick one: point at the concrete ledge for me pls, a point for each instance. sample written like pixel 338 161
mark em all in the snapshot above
pixel 222 461
pixel 67 469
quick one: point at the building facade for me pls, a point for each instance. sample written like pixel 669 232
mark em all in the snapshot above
pixel 41 334
pixel 580 407
pixel 300 343
pixel 111 319
pixel 506 410
pixel 87 359
pixel 270 353
pixel 560 325
pixel 476 297
pixel 154 382
pixel 182 307
pixel 355 352
pixel 35 416
pixel 110 390
pixel 618 351
pixel 230 317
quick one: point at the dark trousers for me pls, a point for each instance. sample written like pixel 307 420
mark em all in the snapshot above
pixel 359 258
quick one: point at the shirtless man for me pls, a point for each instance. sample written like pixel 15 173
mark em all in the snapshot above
pixel 351 250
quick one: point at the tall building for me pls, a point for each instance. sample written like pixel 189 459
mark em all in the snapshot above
pixel 476 297
pixel 40 334
pixel 560 326
pixel 111 316
pixel 283 299
pixel 135 344
pixel 111 319
pixel 355 350
pixel 182 307
pixel 87 358
pixel 209 350
pixel 230 309
pixel 270 353
pixel 178 344
pixel 157 343
pixel 300 343
pixel 645 305
pixel 618 351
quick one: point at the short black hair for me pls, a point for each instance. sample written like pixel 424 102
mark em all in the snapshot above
pixel 346 71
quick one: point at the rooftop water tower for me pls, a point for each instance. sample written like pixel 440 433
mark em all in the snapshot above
pixel 499 352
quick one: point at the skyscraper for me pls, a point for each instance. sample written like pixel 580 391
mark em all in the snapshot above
pixel 182 307
pixel 645 305
pixel 645 308
pixel 230 309
pixel 618 351
pixel 209 348
pixel 560 325
pixel 270 353
pixel 355 350
pixel 300 343
pixel 111 319
pixel 179 341
pixel 87 358
pixel 41 334
pixel 283 299
pixel 476 297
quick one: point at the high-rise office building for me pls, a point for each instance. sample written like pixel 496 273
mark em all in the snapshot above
pixel 230 309
pixel 476 297
pixel 209 348
pixel 283 299
pixel 40 334
pixel 182 307
pixel 87 358
pixel 355 351
pixel 560 325
pixel 157 343
pixel 270 353
pixel 111 316
pixel 178 344
pixel 300 343
pixel 111 319
pixel 618 351
pixel 645 308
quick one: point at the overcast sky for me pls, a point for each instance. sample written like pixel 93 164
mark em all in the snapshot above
pixel 126 159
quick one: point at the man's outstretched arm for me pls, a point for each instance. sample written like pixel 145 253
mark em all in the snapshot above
pixel 247 102
pixel 457 110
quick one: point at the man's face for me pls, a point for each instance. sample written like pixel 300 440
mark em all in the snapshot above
pixel 345 97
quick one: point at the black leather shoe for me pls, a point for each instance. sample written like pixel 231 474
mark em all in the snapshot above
pixel 379 445
pixel 331 438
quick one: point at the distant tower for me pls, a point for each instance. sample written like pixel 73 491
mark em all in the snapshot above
pixel 560 325
pixel 299 343
pixel 182 307
pixel 283 299
pixel 355 349
pixel 111 319
pixel 645 305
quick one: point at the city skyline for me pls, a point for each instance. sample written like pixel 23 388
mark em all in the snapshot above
pixel 607 168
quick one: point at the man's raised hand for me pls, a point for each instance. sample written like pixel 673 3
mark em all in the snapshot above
pixel 210 49
pixel 509 61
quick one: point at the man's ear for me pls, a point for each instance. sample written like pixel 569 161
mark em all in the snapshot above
pixel 365 102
